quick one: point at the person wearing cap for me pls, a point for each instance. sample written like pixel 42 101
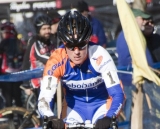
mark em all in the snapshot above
pixel 147 28
pixel 144 21
pixel 146 25
pixel 124 58
pixel 98 34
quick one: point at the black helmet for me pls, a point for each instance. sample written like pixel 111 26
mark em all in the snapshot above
pixel 74 23
pixel 40 21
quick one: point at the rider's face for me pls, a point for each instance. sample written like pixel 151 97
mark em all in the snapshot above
pixel 45 31
pixel 77 54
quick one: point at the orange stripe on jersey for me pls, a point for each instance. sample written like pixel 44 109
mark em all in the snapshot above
pixel 55 66
pixel 109 102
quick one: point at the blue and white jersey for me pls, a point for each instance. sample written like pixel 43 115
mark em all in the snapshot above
pixel 87 86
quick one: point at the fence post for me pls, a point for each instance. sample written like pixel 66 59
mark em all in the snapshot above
pixel 59 99
pixel 137 110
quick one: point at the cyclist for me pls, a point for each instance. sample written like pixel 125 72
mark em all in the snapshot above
pixel 39 48
pixel 89 77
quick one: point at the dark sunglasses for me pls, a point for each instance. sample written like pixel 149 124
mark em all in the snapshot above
pixel 80 46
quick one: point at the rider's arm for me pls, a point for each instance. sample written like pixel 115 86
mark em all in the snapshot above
pixel 105 65
pixel 53 71
pixel 47 91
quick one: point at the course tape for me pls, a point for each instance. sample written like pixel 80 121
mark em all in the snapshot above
pixel 36 73
pixel 22 75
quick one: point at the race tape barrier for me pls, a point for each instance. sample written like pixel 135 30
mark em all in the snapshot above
pixel 36 73
pixel 22 75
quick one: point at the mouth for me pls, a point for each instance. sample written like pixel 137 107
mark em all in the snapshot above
pixel 47 34
pixel 77 58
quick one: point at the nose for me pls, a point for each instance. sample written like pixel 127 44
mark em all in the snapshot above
pixel 48 30
pixel 145 22
pixel 76 50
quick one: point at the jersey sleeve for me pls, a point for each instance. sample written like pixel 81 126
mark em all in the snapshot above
pixel 53 70
pixel 103 63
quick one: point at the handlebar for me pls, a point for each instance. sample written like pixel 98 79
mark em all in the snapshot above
pixel 114 125
pixel 23 88
pixel 45 122
pixel 79 125
pixel 86 125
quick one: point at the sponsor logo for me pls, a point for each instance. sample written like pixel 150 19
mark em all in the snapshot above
pixel 50 72
pixel 94 39
pixel 101 66
pixel 43 51
pixel 119 108
pixel 98 60
pixel 89 71
pixel 85 85
pixel 54 67
pixel 70 74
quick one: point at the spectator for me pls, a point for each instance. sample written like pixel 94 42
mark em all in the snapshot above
pixel 124 58
pixel 152 39
pixel 11 56
pixel 55 17
pixel 147 28
pixel 38 50
pixel 98 34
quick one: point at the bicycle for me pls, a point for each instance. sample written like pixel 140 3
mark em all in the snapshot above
pixel 86 125
pixel 31 103
pixel 18 118
pixel 28 119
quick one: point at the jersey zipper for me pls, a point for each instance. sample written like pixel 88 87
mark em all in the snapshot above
pixel 85 89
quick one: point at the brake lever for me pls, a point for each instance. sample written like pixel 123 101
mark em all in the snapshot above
pixel 45 122
pixel 113 125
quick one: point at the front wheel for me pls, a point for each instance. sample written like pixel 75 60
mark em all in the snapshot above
pixel 18 115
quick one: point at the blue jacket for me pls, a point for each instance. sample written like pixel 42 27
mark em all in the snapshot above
pixel 98 31
pixel 124 58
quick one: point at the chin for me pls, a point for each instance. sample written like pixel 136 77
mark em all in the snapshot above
pixel 77 62
pixel 47 37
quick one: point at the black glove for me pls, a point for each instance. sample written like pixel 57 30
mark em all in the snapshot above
pixel 57 123
pixel 104 123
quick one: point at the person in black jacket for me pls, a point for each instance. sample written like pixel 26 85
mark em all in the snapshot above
pixel 38 50
pixel 11 57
